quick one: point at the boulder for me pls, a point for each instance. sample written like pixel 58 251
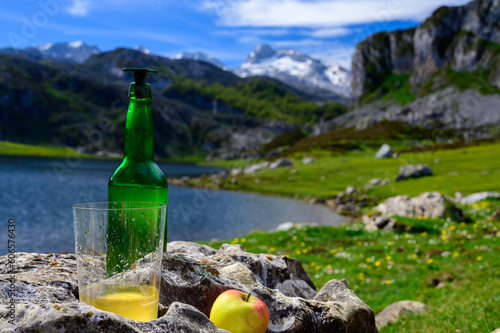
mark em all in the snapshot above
pixel 280 162
pixel 426 205
pixel 255 167
pixel 392 312
pixel 475 197
pixel 413 171
pixel 193 276
pixel 385 151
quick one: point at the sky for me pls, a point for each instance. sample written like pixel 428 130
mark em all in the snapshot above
pixel 224 29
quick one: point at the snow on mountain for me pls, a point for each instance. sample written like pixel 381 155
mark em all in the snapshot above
pixel 296 68
pixel 142 49
pixel 200 56
pixel 76 51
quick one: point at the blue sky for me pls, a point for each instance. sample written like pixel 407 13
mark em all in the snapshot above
pixel 224 29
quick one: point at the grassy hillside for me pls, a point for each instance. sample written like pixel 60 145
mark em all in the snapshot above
pixel 259 98
pixel 18 149
pixel 469 169
pixel 451 267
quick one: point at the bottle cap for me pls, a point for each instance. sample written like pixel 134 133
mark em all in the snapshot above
pixel 140 85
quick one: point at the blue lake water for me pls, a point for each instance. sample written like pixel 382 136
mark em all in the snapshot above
pixel 39 194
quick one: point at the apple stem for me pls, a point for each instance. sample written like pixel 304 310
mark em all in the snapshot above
pixel 248 296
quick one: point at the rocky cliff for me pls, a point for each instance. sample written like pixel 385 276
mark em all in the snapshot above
pixel 465 39
pixel 444 73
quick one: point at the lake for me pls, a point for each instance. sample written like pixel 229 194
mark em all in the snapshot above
pixel 39 194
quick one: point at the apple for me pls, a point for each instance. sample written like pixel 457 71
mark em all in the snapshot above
pixel 239 312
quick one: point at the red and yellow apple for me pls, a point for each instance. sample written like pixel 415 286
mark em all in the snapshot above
pixel 239 312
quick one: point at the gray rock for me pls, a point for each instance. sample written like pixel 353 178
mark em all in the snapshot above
pixel 392 312
pixel 376 182
pixel 193 276
pixel 496 331
pixel 479 196
pixel 307 160
pixel 413 171
pixel 385 151
pixel 255 167
pixel 280 162
pixel 350 190
pixel 426 205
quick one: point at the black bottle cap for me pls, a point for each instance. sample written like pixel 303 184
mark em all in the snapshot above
pixel 140 80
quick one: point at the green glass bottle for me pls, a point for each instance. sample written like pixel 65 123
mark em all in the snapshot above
pixel 138 178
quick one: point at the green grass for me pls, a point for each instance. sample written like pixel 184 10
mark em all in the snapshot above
pixel 452 268
pixel 19 149
pixel 467 170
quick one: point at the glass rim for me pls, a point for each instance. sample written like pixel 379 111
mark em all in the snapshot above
pixel 104 205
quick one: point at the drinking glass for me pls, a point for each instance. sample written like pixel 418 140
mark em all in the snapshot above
pixel 118 248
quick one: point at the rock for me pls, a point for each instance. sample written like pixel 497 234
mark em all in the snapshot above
pixel 350 190
pixel 376 182
pixel 385 151
pixel 426 205
pixel 377 221
pixel 413 171
pixel 496 331
pixel 479 196
pixel 392 312
pixel 193 276
pixel 280 162
pixel 236 171
pixel 307 160
pixel 255 167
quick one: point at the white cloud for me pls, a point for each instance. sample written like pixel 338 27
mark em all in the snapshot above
pixel 331 32
pixel 79 7
pixel 319 13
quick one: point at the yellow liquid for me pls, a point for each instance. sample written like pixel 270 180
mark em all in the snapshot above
pixel 134 302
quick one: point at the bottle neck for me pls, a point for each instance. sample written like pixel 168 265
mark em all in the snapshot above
pixel 139 130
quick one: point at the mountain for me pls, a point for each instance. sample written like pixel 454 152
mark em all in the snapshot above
pixel 197 107
pixel 442 74
pixel 200 56
pixel 76 51
pixel 296 69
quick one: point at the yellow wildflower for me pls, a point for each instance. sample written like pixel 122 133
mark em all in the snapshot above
pixel 361 276
pixel 333 251
pixel 304 251
pixel 388 281
pixel 414 256
pixel 243 240
pixel 430 261
pixel 377 263
pixel 455 254
pixel 302 244
pixel 479 258
pixel 388 258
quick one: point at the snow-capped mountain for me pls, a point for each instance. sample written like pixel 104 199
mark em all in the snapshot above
pixel 200 56
pixel 74 51
pixel 142 49
pixel 297 69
